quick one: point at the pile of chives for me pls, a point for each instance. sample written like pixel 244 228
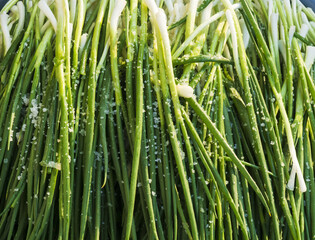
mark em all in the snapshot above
pixel 157 119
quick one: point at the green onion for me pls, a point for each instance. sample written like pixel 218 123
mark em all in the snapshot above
pixel 157 119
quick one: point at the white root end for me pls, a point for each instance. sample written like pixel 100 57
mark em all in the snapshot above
pixel 304 30
pixel 287 4
pixel 5 31
pixel 29 5
pixel 73 5
pixel 302 185
pixel 83 40
pixel 236 6
pixel 295 170
pixel 291 33
pixel 70 27
pixel 192 11
pixel 291 182
pixel 152 6
pixel 21 9
pixel 234 42
pixel 274 29
pixel 304 18
pixel 246 36
pixel 180 10
pixel 119 7
pixel 43 6
pixel 200 28
pixel 161 21
pixel 41 19
pixel 309 57
pixel 169 5
pixel 185 91
pixel 206 12
pixel 270 11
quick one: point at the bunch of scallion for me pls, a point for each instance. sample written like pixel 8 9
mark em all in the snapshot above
pixel 155 119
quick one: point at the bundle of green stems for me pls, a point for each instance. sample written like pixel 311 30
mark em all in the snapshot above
pixel 157 119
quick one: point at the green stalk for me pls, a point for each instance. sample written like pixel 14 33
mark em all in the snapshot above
pixel 162 36
pixel 312 183
pixel 200 112
pixel 139 124
pixel 16 64
pixel 64 126
pixel 275 85
pixel 88 141
pixel 165 159
pixel 277 152
pixel 146 181
pixel 81 10
pixel 215 175
pixel 131 49
pixel 152 134
pixel 104 100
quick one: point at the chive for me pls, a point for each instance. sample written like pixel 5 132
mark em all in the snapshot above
pixel 114 124
pixel 90 119
pixel 138 127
